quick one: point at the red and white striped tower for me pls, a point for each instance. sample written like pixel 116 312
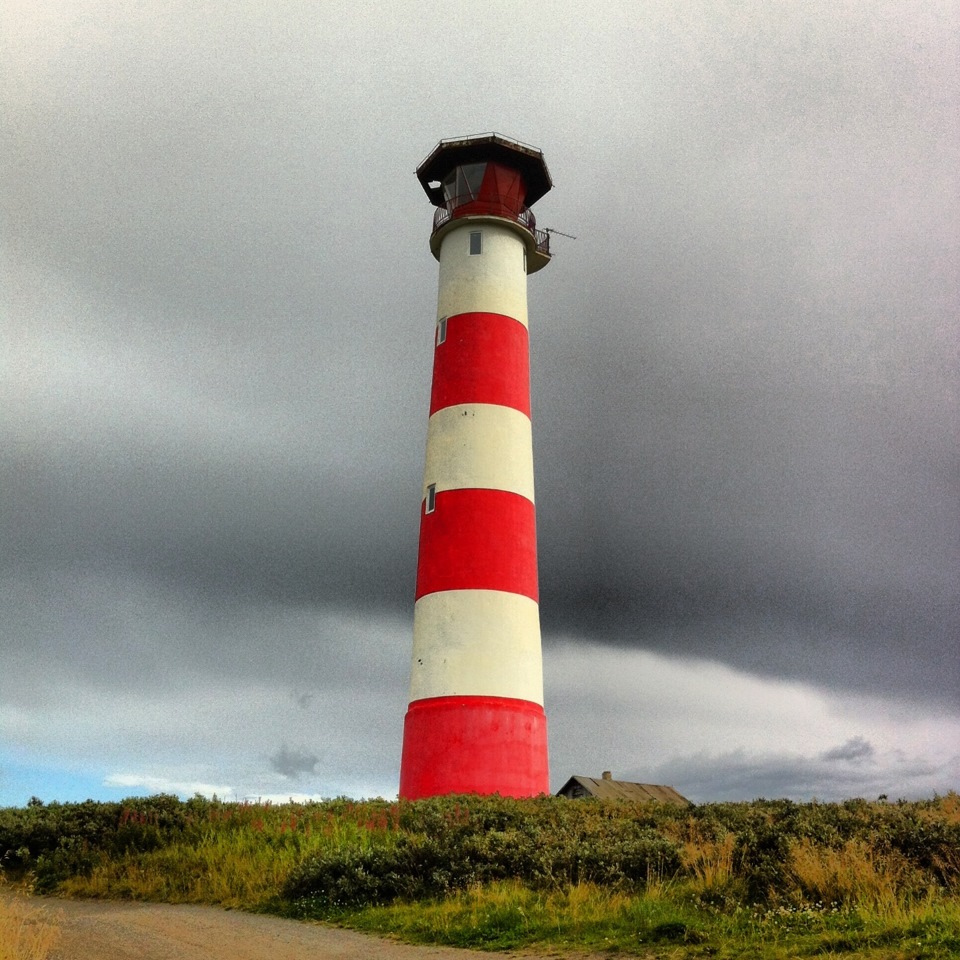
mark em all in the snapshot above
pixel 475 723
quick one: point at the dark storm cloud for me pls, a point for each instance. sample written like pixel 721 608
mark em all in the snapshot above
pixel 121 631
pixel 772 500
pixel 745 388
pixel 751 448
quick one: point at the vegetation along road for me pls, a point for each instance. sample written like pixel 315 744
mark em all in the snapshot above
pixel 865 880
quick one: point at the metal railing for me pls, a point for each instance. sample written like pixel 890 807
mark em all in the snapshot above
pixel 494 206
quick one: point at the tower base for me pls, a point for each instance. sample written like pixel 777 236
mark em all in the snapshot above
pixel 479 745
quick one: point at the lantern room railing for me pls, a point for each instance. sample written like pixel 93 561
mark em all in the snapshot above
pixel 498 207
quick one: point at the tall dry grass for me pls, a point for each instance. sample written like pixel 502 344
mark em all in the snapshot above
pixel 26 933
pixel 708 860
pixel 854 875
pixel 710 863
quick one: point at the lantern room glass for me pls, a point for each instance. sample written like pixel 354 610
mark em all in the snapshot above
pixel 462 184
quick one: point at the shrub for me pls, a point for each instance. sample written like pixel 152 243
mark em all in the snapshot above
pixel 453 843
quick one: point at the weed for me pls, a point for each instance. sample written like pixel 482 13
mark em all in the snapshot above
pixel 26 933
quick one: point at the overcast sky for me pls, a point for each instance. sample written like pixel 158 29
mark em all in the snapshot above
pixel 218 313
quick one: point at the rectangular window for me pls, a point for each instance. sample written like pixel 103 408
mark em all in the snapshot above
pixel 441 330
pixel 475 240
pixel 431 498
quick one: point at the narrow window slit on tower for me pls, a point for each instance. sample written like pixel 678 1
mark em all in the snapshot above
pixel 441 330
pixel 476 238
pixel 431 498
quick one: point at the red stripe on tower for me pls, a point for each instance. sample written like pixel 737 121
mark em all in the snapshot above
pixel 476 723
pixel 474 745
pixel 478 540
pixel 484 358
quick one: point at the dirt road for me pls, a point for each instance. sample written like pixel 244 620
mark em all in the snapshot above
pixel 111 930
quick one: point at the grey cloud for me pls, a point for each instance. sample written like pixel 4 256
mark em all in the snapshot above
pixel 294 763
pixel 741 775
pixel 855 750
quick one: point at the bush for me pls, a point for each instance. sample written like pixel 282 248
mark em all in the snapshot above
pixel 60 840
pixel 453 843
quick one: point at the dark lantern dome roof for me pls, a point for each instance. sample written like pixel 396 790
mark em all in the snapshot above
pixel 481 148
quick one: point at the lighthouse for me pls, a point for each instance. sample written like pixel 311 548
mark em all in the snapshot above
pixel 475 722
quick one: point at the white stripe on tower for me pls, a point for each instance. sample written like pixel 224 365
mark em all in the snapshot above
pixel 477 643
pixel 493 281
pixel 479 445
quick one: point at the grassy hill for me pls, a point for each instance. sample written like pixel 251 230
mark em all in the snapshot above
pixel 769 879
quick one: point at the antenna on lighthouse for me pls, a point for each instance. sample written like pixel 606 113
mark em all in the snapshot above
pixel 559 232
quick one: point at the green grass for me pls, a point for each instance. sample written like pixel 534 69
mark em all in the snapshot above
pixel 508 915
pixel 669 924
pixel 770 879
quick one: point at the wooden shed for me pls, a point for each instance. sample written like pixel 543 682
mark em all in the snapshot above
pixel 606 788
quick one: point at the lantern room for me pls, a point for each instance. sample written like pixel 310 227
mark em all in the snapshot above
pixel 487 175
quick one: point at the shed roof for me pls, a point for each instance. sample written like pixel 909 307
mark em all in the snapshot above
pixel 604 789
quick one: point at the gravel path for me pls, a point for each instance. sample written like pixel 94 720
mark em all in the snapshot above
pixel 114 930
